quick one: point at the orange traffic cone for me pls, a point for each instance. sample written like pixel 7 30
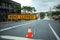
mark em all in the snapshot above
pixel 29 33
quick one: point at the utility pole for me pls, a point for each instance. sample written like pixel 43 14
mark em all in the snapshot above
pixel 50 12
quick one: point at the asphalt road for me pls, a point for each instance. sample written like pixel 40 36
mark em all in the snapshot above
pixel 41 29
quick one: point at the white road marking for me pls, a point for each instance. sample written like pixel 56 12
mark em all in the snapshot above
pixel 16 38
pixel 15 26
pixel 34 31
pixel 54 32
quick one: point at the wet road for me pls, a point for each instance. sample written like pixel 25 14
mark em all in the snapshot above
pixel 41 29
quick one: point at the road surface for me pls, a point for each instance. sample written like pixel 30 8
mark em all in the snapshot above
pixel 41 29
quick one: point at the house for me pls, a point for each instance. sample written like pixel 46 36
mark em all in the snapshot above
pixel 7 8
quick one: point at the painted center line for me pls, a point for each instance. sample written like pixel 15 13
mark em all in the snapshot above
pixel 15 26
pixel 54 32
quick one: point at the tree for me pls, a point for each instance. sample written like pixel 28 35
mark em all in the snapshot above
pixel 56 13
pixel 24 8
pixel 57 7
pixel 28 9
pixel 42 15
pixel 33 9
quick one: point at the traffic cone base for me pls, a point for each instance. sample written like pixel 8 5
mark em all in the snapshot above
pixel 29 35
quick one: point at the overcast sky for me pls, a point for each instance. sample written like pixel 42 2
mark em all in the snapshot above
pixel 40 5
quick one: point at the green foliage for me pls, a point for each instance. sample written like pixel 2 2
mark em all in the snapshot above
pixel 28 8
pixel 24 8
pixel 48 14
pixel 57 6
pixel 56 13
pixel 42 15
